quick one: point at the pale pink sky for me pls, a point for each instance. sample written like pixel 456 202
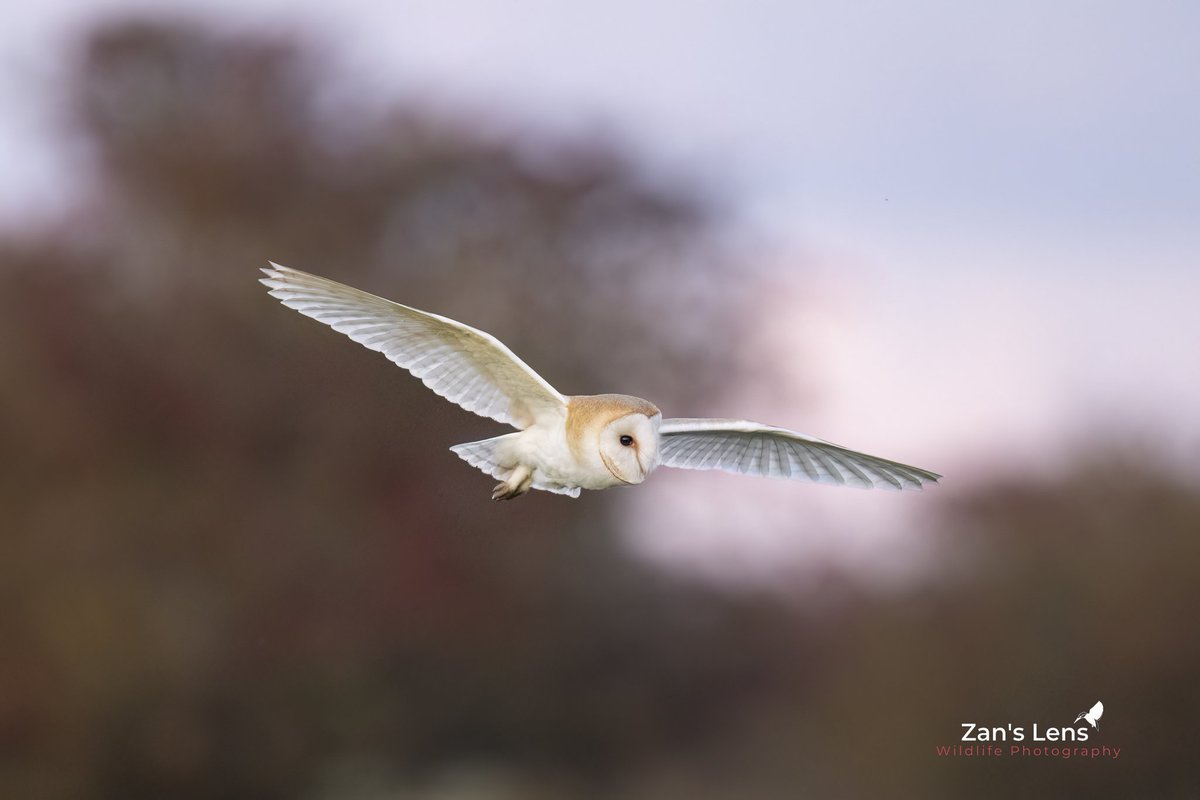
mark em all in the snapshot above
pixel 989 212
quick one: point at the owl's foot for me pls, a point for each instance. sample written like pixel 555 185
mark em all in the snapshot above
pixel 504 492
pixel 517 484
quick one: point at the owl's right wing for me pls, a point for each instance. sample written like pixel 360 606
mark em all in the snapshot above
pixel 755 449
pixel 464 365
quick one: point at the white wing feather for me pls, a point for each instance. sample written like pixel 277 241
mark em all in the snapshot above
pixel 754 449
pixel 464 365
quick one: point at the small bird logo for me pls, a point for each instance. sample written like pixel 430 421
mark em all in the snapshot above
pixel 1092 715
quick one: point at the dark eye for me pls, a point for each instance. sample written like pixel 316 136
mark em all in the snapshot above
pixel 626 440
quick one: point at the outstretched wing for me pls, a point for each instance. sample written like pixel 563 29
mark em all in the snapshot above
pixel 754 449
pixel 464 365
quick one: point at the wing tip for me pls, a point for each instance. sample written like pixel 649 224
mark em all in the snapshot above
pixel 929 478
pixel 914 482
pixel 284 280
pixel 276 274
pixel 279 271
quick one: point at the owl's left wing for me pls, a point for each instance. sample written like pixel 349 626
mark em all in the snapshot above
pixel 464 365
pixel 755 449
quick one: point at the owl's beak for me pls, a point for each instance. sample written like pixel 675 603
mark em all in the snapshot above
pixel 613 470
pixel 643 467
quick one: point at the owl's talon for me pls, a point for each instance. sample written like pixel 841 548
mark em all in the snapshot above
pixel 505 491
pixel 518 483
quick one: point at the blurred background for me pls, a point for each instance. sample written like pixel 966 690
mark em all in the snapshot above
pixel 234 564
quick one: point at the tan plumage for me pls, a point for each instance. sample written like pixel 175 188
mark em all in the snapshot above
pixel 565 444
pixel 587 412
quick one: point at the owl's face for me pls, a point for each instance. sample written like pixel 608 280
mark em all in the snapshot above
pixel 629 446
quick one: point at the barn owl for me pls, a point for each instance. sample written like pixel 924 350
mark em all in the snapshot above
pixel 565 443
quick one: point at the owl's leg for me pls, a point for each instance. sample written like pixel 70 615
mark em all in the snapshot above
pixel 517 484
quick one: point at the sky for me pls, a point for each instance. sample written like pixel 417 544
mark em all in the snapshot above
pixel 989 213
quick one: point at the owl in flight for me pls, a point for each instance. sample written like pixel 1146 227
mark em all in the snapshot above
pixel 565 443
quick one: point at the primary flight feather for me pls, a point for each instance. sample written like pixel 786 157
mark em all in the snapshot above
pixel 567 443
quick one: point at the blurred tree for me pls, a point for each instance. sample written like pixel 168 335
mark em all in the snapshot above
pixel 1050 595
pixel 239 551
